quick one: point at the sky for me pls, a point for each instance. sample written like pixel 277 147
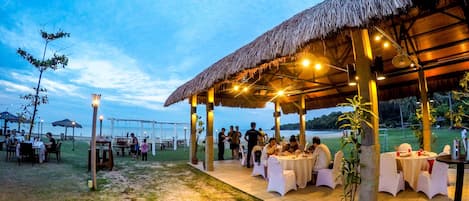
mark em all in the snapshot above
pixel 133 53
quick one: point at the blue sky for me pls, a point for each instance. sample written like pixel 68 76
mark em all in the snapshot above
pixel 134 53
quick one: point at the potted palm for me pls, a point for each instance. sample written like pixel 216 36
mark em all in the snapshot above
pixel 350 143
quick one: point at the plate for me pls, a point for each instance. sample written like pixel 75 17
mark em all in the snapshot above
pixel 405 154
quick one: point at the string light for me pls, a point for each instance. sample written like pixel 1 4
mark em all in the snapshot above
pixel 318 66
pixel 378 37
pixel 236 88
pixel 386 44
pixel 305 62
pixel 281 93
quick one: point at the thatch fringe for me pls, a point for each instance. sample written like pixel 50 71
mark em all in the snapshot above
pixel 286 39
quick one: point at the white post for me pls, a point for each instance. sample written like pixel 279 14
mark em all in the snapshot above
pixel 175 138
pixel 112 127
pixel 153 149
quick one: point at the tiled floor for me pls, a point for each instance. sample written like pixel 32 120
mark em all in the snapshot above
pixel 231 172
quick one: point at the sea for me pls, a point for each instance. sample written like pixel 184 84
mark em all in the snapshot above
pixel 166 131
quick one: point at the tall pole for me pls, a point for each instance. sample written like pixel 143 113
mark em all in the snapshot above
pixel 73 135
pixel 209 134
pixel 277 120
pixel 193 137
pixel 95 105
pixel 101 125
pixel 302 115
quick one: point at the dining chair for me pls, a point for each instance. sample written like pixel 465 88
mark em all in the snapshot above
pixel 331 177
pixel 280 180
pixel 446 150
pixel 405 147
pixel 56 151
pixel 434 183
pixel 243 155
pixel 390 180
pixel 26 151
pixel 258 167
pixel 11 151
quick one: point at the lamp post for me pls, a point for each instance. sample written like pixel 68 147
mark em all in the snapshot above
pixel 95 104
pixel 42 123
pixel 73 135
pixel 185 139
pixel 101 117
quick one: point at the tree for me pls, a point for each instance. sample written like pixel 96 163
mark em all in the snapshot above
pixel 42 65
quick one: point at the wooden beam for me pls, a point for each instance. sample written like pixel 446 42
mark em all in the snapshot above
pixel 302 115
pixel 369 156
pixel 277 120
pixel 193 137
pixel 209 135
pixel 426 132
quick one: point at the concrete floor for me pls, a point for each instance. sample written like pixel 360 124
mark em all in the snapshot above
pixel 232 173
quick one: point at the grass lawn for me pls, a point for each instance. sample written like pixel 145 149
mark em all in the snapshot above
pixel 164 177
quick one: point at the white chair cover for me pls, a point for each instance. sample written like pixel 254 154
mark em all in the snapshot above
pixel 243 155
pixel 435 183
pixel 405 147
pixel 446 150
pixel 280 180
pixel 258 168
pixel 390 180
pixel 331 177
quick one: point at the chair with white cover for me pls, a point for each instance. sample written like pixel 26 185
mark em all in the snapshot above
pixel 331 177
pixel 435 183
pixel 446 150
pixel 280 180
pixel 258 167
pixel 243 155
pixel 390 180
pixel 405 147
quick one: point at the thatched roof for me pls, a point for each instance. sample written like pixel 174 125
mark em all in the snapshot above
pixel 324 26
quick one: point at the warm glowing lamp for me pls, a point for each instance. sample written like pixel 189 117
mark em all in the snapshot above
pixel 95 100
pixel 245 89
pixel 318 66
pixel 378 37
pixel 386 44
pixel 236 88
pixel 281 92
pixel 305 62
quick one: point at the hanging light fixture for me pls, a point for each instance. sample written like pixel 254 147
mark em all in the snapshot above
pixel 352 75
pixel 401 60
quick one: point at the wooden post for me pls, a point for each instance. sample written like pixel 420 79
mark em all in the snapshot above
pixel 277 120
pixel 426 132
pixel 193 148
pixel 209 136
pixel 302 114
pixel 369 157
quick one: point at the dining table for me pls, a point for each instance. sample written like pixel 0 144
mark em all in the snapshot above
pixel 39 149
pixel 301 164
pixel 412 163
pixel 459 172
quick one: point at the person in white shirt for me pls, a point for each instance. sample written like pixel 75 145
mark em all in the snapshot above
pixel 463 138
pixel 321 155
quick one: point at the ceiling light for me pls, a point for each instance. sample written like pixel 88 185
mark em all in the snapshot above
pixel 245 89
pixel 305 62
pixel 280 92
pixel 236 87
pixel 378 37
pixel 386 44
pixel 318 66
pixel 351 75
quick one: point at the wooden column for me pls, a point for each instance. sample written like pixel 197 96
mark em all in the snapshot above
pixel 369 157
pixel 209 135
pixel 302 114
pixel 193 137
pixel 426 132
pixel 277 120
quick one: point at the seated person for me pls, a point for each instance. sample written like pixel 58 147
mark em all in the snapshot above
pixel 269 149
pixel 321 155
pixel 52 143
pixel 292 146
pixel 257 153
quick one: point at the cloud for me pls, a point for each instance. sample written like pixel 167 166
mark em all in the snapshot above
pixel 53 87
pixel 13 87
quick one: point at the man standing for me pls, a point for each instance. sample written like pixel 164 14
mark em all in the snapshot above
pixel 251 137
pixel 221 144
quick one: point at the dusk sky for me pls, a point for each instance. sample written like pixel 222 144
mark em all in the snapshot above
pixel 134 53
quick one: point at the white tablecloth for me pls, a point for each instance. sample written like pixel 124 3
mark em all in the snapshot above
pixel 39 148
pixel 412 165
pixel 302 166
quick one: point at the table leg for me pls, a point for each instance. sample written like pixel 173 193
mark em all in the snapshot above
pixel 459 182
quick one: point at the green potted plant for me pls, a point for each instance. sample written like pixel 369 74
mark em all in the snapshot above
pixel 350 143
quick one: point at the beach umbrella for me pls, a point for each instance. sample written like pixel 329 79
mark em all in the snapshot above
pixel 68 123
pixel 6 116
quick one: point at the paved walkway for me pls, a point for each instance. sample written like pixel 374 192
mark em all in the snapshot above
pixel 231 172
